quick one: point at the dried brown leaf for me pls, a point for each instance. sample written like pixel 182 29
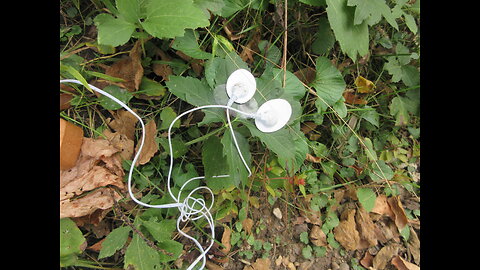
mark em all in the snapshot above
pixel 365 227
pixel 86 205
pixel 150 147
pixel 402 264
pixel 367 260
pixel 211 266
pixel 400 217
pixel 413 246
pixel 124 123
pixel 121 142
pixel 227 233
pixel 346 233
pixel 318 237
pixel 306 75
pixel 162 70
pixel 313 159
pixel 247 224
pixel 259 264
pixel 384 255
pixel 352 98
pixel 130 69
pixel 382 207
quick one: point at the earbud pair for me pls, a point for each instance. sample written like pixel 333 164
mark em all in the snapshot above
pixel 272 115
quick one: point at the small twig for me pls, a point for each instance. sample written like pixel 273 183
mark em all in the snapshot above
pixel 285 37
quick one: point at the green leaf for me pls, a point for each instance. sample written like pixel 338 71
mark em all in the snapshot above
pixel 294 88
pixel 114 241
pixel 399 108
pixel 381 172
pixel 129 10
pixel 71 241
pixel 191 90
pixel 328 83
pixel 218 69
pixel 304 237
pixel 300 154
pixel 371 116
pixel 307 252
pixel 139 255
pixel 171 246
pixel 167 116
pixel 280 142
pixel 366 197
pixel 188 44
pixel 162 230
pixel 180 176
pixel 168 19
pixel 410 22
pixel 317 3
pixel 151 88
pixel 325 39
pixel 215 164
pixel 369 151
pixel 215 6
pixel 353 38
pixel 178 146
pixel 271 52
pixel 372 10
pixel 121 94
pixel 236 169
pixel 113 31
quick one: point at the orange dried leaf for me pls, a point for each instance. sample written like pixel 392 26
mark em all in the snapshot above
pixel 227 233
pixel 150 147
pixel 346 233
pixel 402 264
pixel 130 69
pixel 400 217
pixel 124 123
pixel 352 98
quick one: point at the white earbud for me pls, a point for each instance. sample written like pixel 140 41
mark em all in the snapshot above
pixel 241 86
pixel 273 115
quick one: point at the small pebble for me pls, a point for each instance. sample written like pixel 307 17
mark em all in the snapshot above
pixel 335 266
pixel 277 213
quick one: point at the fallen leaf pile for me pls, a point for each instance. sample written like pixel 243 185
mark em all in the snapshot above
pixel 359 230
pixel 85 189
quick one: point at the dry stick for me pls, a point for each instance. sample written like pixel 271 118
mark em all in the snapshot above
pixel 284 64
pixel 129 223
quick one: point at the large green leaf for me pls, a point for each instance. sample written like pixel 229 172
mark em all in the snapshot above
pixel 328 83
pixel 129 10
pixel 372 11
pixel 218 69
pixel 367 197
pixel 168 19
pixel 191 90
pixel 162 230
pixel 188 44
pixel 114 241
pixel 215 164
pixel 141 256
pixel 71 241
pixel 281 142
pixel 236 169
pixel 353 38
pixel 113 31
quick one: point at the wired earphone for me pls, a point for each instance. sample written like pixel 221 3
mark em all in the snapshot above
pixel 240 87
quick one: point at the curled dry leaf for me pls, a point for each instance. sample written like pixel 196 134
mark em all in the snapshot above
pixel 400 217
pixel 382 207
pixel 227 233
pixel 352 98
pixel 85 188
pixel 150 147
pixel 124 123
pixel 402 264
pixel 413 246
pixel 366 228
pixel 130 69
pixel 121 142
pixel 367 260
pixel 318 237
pixel 384 255
pixel 346 233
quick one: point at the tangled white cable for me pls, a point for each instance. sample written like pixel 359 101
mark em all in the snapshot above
pixel 240 88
